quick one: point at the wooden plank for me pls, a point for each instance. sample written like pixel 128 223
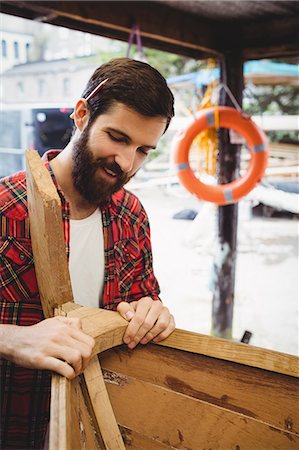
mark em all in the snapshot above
pixel 47 237
pixel 64 423
pixel 234 351
pixel 71 426
pixel 55 289
pixel 108 328
pixel 269 397
pixel 181 421
pixel 102 406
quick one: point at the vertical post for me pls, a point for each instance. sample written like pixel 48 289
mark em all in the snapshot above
pixel 231 74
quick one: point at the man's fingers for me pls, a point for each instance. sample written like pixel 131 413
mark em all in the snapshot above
pixel 161 335
pixel 70 345
pixel 82 337
pixel 60 367
pixel 140 320
pixel 126 310
pixel 156 318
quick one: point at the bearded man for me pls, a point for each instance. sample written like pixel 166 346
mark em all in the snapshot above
pixel 124 110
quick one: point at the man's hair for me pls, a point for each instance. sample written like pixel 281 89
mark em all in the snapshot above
pixel 133 83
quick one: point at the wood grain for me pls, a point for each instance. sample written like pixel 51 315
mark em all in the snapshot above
pixel 107 328
pixel 47 237
pixel 136 441
pixel 234 351
pixel 102 406
pixel 71 425
pixel 183 422
pixel 266 396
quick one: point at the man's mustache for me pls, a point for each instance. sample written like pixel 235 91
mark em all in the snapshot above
pixel 114 167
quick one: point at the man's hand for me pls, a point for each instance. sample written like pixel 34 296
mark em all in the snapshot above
pixel 149 321
pixel 57 344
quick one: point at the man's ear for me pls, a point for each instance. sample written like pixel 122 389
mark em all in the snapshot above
pixel 81 114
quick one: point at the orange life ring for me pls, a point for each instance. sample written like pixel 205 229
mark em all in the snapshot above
pixel 223 194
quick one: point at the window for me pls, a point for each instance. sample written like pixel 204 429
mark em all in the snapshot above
pixel 16 49
pixel 4 48
pixel 27 51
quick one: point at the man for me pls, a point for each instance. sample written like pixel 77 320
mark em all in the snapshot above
pixel 125 109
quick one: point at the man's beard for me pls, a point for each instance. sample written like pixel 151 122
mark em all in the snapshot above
pixel 88 183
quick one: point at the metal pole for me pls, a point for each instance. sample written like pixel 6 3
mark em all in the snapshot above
pixel 231 74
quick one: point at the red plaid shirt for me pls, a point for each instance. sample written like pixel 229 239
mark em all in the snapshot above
pixel 128 276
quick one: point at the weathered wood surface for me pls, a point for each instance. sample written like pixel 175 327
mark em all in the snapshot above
pixel 108 328
pixel 71 425
pixel 191 390
pixel 47 237
pixel 185 391
pixel 256 393
pixel 184 422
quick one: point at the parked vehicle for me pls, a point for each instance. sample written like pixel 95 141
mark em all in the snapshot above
pixel 31 126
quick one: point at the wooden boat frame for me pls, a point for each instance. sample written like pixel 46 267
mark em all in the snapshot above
pixel 188 392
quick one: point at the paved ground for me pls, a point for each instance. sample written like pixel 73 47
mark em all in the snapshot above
pixel 266 294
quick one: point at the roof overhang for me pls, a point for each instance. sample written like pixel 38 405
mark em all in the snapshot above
pixel 168 26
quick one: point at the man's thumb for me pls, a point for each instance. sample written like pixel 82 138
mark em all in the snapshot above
pixel 125 310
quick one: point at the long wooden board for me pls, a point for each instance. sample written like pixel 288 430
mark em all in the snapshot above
pixel 46 230
pixel 100 401
pixel 55 289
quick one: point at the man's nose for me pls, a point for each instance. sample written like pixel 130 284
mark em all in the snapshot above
pixel 125 158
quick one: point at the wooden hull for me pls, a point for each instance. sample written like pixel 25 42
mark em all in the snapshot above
pixel 190 392
pixel 168 398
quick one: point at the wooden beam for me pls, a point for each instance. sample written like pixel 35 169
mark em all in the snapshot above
pixel 228 168
pixel 102 407
pixel 46 230
pixel 263 38
pixel 165 28
pixel 195 36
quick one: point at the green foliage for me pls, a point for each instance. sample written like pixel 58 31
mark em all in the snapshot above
pixel 273 100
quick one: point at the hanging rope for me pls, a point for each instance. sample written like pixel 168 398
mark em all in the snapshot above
pixel 135 33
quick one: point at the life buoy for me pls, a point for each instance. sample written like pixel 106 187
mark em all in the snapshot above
pixel 257 142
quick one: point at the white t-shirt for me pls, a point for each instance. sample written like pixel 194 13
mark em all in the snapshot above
pixel 86 260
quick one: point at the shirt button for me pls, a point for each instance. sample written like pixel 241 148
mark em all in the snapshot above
pixel 22 256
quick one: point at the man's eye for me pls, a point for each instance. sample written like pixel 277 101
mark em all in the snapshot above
pixel 116 139
pixel 144 151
